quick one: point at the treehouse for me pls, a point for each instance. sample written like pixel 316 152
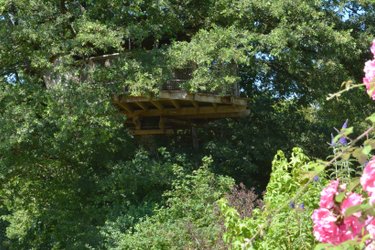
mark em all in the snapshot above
pixel 175 108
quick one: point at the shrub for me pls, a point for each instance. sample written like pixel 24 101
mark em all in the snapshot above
pixel 290 227
pixel 188 220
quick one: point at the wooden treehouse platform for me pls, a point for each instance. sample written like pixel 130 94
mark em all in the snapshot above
pixel 173 109
pixel 177 109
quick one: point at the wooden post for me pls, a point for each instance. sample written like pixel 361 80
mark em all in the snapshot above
pixel 161 123
pixel 137 122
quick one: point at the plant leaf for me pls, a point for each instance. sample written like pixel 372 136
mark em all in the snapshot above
pixel 340 197
pixel 353 209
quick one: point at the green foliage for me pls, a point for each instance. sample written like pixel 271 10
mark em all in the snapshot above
pixel 188 220
pixel 93 36
pixel 71 176
pixel 290 227
pixel 244 149
pixel 214 56
pixel 146 72
pixel 55 148
pixel 346 156
pixel 67 167
pixel 286 46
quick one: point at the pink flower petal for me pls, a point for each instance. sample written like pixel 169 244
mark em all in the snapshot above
pixel 328 195
pixel 351 200
pixel 368 177
pixel 373 47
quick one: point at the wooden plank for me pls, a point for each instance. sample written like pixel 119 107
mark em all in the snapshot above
pixel 195 104
pixel 184 96
pixel 199 97
pixel 177 95
pixel 136 99
pixel 214 105
pixel 118 100
pixel 188 111
pixel 181 122
pixel 142 105
pixel 137 122
pixel 175 103
pixel 214 116
pixel 157 105
pixel 205 117
pixel 126 107
pixel 162 123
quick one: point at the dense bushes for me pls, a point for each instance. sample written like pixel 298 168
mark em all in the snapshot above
pixel 188 220
pixel 68 167
pixel 290 227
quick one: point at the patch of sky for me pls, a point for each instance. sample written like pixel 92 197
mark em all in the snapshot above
pixel 263 83
pixel 268 83
pixel 346 11
pixel 11 78
pixel 264 56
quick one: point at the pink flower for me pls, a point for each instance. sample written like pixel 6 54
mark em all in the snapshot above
pixel 370 228
pixel 330 224
pixel 368 179
pixel 352 225
pixel 373 47
pixel 325 228
pixel 328 195
pixel 351 228
pixel 351 200
pixel 370 222
pixel 370 245
pixel 329 229
pixel 369 70
pixel 369 77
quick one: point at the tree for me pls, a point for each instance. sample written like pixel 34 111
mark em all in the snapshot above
pixel 61 139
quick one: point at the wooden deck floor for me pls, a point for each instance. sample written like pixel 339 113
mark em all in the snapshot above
pixel 177 109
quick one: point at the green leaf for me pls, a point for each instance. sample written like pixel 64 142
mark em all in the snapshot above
pixel 353 183
pixel 369 209
pixel 346 156
pixel 366 206
pixel 360 156
pixel 371 118
pixel 370 142
pixel 337 137
pixel 323 246
pixel 319 167
pixel 353 209
pixel 347 131
pixel 340 197
pixel 367 149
